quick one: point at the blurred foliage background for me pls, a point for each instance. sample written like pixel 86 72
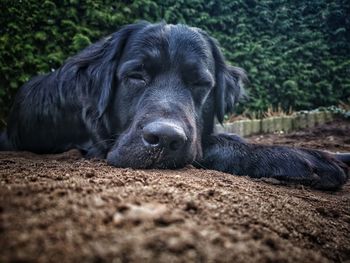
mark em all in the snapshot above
pixel 296 53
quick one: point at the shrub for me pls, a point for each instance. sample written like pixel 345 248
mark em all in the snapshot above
pixel 297 54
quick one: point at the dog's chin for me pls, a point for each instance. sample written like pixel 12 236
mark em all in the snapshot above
pixel 145 159
pixel 140 157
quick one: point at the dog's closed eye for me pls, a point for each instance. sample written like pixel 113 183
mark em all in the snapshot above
pixel 200 79
pixel 136 77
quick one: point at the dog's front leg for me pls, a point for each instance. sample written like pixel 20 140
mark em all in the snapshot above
pixel 231 154
pixel 100 140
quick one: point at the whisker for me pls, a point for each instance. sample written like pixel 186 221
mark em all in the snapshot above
pixel 202 166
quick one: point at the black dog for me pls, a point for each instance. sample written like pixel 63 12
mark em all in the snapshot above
pixel 147 97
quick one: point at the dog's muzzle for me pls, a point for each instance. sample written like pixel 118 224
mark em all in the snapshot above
pixel 163 143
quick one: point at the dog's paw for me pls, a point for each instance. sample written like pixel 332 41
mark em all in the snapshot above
pixel 324 171
pixel 317 169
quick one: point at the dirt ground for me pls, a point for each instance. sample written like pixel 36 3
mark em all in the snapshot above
pixel 62 208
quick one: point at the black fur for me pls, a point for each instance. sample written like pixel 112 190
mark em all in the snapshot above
pixel 108 100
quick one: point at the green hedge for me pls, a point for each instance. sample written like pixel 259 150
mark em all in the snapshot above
pixel 297 53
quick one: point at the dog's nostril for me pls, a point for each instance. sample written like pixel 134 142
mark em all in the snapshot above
pixel 151 138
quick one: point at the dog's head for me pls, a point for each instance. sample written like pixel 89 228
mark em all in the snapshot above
pixel 161 87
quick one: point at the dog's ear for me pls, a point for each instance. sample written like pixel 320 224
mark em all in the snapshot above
pixel 229 83
pixel 95 67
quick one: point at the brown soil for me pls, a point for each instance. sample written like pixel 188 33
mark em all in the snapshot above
pixel 61 208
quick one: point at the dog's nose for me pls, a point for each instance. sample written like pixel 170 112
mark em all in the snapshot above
pixel 164 134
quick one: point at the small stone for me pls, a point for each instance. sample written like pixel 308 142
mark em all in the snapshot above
pixel 98 202
pixel 136 214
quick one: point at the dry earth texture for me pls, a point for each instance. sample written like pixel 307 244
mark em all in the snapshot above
pixel 62 208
